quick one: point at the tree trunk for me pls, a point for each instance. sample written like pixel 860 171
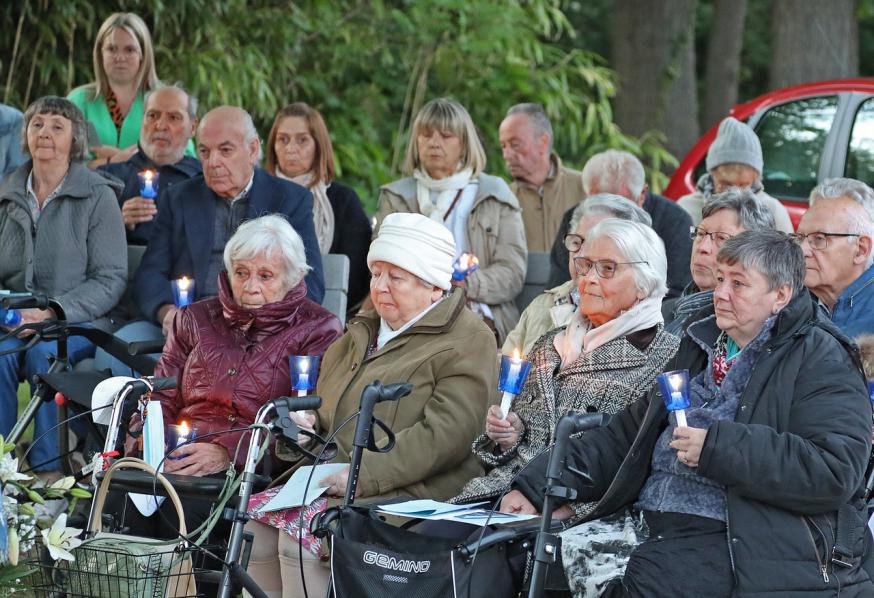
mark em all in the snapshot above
pixel 813 40
pixel 723 60
pixel 654 58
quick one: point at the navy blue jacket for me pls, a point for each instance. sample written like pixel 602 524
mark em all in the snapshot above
pixel 182 236
pixel 169 175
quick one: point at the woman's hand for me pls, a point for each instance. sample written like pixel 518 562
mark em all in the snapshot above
pixel 33 316
pixel 305 420
pixel 516 503
pixel 337 483
pixel 688 442
pixel 199 458
pixel 504 432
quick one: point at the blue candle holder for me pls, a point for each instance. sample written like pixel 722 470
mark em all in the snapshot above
pixel 183 291
pixel 304 373
pixel 464 266
pixel 514 371
pixel 177 436
pixel 675 393
pixel 148 183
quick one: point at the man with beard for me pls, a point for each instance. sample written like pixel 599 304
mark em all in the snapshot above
pixel 169 121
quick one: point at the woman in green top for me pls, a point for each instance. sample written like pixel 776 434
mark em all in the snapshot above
pixel 124 69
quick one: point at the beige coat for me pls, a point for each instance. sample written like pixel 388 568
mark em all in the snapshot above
pixel 551 309
pixel 544 207
pixel 495 234
pixel 449 357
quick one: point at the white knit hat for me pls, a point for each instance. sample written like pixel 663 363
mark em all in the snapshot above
pixel 417 244
pixel 735 143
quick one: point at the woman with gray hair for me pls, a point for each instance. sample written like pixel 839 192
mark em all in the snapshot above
pixel 445 162
pixel 761 490
pixel 61 234
pixel 555 306
pixel 724 215
pixel 603 360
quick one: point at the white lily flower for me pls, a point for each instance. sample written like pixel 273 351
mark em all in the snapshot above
pixel 64 483
pixel 60 539
pixel 12 540
pixel 9 470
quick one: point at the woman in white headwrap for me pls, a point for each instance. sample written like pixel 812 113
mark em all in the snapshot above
pixel 418 332
pixel 444 164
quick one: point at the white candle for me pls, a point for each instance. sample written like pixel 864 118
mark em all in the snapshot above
pixel 681 417
pixel 506 401
pixel 184 286
pixel 184 433
pixel 303 380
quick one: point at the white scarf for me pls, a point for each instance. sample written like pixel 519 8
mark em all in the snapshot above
pixel 580 336
pixel 386 333
pixel 446 188
pixel 323 213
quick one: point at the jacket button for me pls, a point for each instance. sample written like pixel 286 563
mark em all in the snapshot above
pixel 232 372
pixel 734 540
pixel 354 365
pixel 743 407
pixel 232 417
pixel 634 455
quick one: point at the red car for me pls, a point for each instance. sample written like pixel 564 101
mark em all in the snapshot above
pixel 808 132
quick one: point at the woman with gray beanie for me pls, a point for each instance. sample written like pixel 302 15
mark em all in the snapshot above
pixel 734 160
pixel 419 331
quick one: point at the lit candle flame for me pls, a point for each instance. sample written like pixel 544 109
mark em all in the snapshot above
pixel 516 355
pixel 676 382
pixel 184 430
pixel 184 283
pixel 304 365
pixel 148 175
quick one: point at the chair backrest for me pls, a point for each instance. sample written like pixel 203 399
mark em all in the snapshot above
pixel 127 309
pixel 536 278
pixel 335 267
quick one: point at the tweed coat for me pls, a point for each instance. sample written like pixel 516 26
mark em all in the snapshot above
pixel 605 380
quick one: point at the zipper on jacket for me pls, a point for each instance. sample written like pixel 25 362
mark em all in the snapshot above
pixel 728 541
pixel 823 566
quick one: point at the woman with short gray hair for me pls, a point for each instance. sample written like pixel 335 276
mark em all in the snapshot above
pixel 61 234
pixel 603 360
pixel 554 307
pixel 771 455
pixel 724 215
pixel 269 235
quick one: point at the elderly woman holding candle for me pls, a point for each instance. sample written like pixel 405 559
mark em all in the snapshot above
pixel 230 354
pixel 605 358
pixel 61 234
pixel 444 163
pixel 762 492
pixel 554 307
pixel 419 331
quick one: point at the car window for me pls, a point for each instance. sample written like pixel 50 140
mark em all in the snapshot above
pixel 860 154
pixel 793 136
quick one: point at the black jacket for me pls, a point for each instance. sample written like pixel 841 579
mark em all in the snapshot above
pixel 794 455
pixel 670 222
pixel 351 237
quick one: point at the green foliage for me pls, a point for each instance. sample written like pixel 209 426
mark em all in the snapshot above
pixel 368 66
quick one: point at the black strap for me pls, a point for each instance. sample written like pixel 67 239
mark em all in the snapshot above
pixel 452 205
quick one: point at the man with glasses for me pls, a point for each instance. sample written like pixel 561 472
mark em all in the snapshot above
pixel 835 234
pixel 724 215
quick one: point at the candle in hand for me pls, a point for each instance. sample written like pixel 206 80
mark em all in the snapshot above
pixel 675 393
pixel 148 184
pixel 514 371
pixel 464 265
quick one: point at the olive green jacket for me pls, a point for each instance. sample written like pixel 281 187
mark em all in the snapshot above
pixel 449 357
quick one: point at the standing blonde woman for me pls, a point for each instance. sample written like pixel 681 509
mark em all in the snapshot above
pixel 124 70
pixel 444 163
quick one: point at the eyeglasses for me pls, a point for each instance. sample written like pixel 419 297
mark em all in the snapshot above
pixel 717 238
pixel 604 268
pixel 573 242
pixel 818 240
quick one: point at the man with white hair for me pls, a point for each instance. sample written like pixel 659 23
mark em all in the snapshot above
pixel 544 188
pixel 169 120
pixel 836 236
pixel 622 174
pixel 197 217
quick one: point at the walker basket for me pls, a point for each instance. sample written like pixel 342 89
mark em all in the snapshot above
pixel 370 558
pixel 107 569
